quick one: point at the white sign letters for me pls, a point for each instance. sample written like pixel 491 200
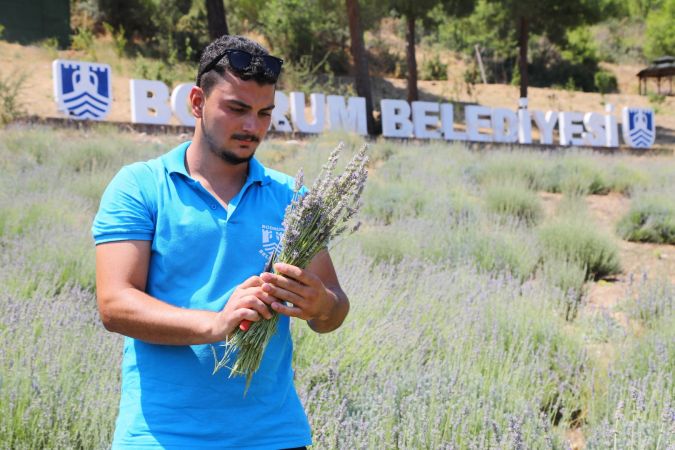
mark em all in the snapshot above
pixel 152 103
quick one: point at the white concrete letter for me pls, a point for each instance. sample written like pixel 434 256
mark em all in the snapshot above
pixel 180 104
pixel 571 128
pixel 149 102
pixel 504 119
pixel 595 129
pixel 524 122
pixel 545 124
pixel 448 124
pixel 396 118
pixel 425 125
pixel 611 127
pixel 350 117
pixel 478 117
pixel 280 120
pixel 318 102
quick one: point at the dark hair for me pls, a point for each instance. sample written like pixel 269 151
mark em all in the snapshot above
pixel 255 72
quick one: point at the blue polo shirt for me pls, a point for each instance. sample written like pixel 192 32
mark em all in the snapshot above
pixel 200 253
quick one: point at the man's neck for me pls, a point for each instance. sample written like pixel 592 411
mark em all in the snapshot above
pixel 222 179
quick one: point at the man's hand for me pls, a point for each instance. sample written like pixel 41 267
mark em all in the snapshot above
pixel 248 302
pixel 125 307
pixel 312 294
pixel 308 297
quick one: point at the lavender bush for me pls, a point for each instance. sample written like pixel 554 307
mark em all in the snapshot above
pixel 481 362
pixel 514 200
pixel 635 406
pixel 456 338
pixel 651 217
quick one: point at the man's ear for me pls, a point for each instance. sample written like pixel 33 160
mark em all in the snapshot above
pixel 197 100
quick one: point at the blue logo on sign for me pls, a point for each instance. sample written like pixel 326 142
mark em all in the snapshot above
pixel 639 130
pixel 82 89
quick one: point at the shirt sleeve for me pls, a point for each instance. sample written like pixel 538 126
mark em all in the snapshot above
pixel 128 207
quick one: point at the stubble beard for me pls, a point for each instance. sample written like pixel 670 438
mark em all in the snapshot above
pixel 227 155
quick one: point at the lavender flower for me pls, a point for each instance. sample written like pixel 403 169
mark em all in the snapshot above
pixel 311 223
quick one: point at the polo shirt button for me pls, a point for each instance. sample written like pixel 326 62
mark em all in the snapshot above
pixel 213 206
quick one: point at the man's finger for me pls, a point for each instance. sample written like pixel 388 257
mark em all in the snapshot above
pixel 282 294
pixel 258 292
pixel 254 303
pixel 295 273
pixel 288 284
pixel 290 311
pixel 253 281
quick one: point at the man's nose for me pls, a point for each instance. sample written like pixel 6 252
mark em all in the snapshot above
pixel 251 123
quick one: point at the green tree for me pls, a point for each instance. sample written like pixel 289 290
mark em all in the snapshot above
pixel 169 29
pixel 217 20
pixel 310 33
pixel 642 8
pixel 411 10
pixel 137 17
pixel 358 50
pixel 661 31
pixel 549 17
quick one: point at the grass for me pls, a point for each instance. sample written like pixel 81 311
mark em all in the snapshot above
pixel 514 200
pixel 630 411
pixel 572 172
pixel 462 331
pixel 650 219
pixel 625 180
pixel 651 302
pixel 572 238
pixel 569 275
pixel 521 167
pixel 577 176
pixel 413 380
pixel 10 96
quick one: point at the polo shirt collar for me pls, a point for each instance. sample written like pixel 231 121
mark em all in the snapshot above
pixel 175 163
pixel 257 172
pixel 175 160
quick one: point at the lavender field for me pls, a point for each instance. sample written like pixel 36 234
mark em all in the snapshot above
pixel 472 324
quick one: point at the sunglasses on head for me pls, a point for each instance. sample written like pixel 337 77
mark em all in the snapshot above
pixel 241 60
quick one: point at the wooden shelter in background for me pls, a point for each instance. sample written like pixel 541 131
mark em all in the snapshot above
pixel 663 67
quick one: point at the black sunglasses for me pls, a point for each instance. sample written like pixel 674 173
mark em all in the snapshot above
pixel 241 60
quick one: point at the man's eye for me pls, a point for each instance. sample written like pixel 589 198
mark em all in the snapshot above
pixel 266 114
pixel 237 110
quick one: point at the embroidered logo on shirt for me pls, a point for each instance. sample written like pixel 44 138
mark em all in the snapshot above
pixel 270 239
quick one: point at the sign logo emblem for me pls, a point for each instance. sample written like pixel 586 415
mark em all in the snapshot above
pixel 270 239
pixel 82 89
pixel 639 130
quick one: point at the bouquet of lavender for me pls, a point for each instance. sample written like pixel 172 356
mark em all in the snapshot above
pixel 310 224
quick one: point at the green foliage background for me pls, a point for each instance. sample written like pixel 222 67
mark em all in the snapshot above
pixel 565 48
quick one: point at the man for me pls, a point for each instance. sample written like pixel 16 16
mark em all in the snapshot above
pixel 181 242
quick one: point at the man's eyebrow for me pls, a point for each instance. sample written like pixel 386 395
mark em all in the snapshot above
pixel 239 103
pixel 246 105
